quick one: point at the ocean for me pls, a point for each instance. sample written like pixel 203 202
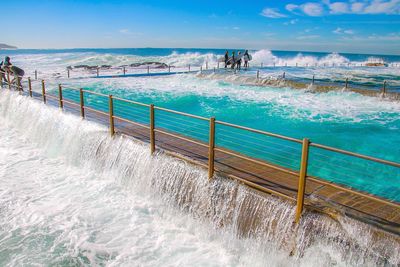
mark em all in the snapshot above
pixel 64 204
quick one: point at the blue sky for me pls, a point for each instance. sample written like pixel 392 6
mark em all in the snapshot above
pixel 368 26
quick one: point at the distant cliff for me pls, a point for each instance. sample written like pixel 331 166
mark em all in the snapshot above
pixel 5 46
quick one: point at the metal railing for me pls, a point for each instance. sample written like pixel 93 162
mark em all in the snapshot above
pixel 276 152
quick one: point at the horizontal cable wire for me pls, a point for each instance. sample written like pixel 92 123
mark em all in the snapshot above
pixel 264 153
pixel 255 144
pixel 181 118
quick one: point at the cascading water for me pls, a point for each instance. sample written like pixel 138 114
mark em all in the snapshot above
pixel 71 195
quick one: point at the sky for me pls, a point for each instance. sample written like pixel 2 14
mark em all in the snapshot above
pixel 355 26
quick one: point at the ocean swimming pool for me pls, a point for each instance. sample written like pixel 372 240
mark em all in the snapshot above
pixel 344 120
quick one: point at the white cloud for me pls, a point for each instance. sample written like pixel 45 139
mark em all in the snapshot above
pixel 311 8
pixel 236 28
pixel 125 31
pixel 388 37
pixel 129 32
pixel 291 7
pixel 339 8
pixel 357 7
pixel 383 7
pixel 315 9
pixel 374 37
pixel 272 13
pixel 343 31
pixel 291 22
pixel 307 37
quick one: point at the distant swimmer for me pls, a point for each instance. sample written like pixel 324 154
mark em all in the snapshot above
pixel 226 58
pixel 246 57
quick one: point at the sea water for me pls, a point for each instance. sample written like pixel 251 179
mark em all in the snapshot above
pixel 72 196
pixel 347 120
pixel 342 119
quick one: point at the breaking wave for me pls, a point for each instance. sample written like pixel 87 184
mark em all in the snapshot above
pixel 74 208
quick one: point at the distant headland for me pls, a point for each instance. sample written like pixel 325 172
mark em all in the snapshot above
pixel 6 46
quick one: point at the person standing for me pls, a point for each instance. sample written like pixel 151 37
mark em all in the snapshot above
pixel 226 58
pixel 233 60
pixel 5 67
pixel 246 58
pixel 239 61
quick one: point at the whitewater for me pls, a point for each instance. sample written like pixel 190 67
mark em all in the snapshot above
pixel 71 195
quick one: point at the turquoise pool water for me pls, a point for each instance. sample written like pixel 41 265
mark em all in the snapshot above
pixel 345 120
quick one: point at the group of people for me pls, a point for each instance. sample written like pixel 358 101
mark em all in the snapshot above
pixel 6 68
pixel 236 60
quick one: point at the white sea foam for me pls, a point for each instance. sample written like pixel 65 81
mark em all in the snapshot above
pixel 285 102
pixel 51 65
pixel 70 195
pixel 267 58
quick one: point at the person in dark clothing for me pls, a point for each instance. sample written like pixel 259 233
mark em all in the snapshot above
pixel 239 61
pixel 233 59
pixel 246 58
pixel 7 62
pixel 2 73
pixel 4 67
pixel 226 58
pixel 18 73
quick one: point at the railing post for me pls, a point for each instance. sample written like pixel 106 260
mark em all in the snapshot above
pixel 8 80
pixel 347 83
pixel 214 70
pixel 302 179
pixel 82 102
pixel 152 135
pixel 258 74
pixel 30 86
pixel 189 67
pixel 169 68
pixel 211 147
pixel 284 75
pixel 201 69
pixel 68 73
pixel 218 65
pixel 148 69
pixel 43 92
pixel 97 70
pixel 111 114
pixel 35 74
pixel 313 79
pixel 124 70
pixel 60 96
pixel 261 64
pixel 206 65
pixel 384 89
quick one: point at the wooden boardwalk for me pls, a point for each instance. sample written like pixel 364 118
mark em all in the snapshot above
pixel 321 195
